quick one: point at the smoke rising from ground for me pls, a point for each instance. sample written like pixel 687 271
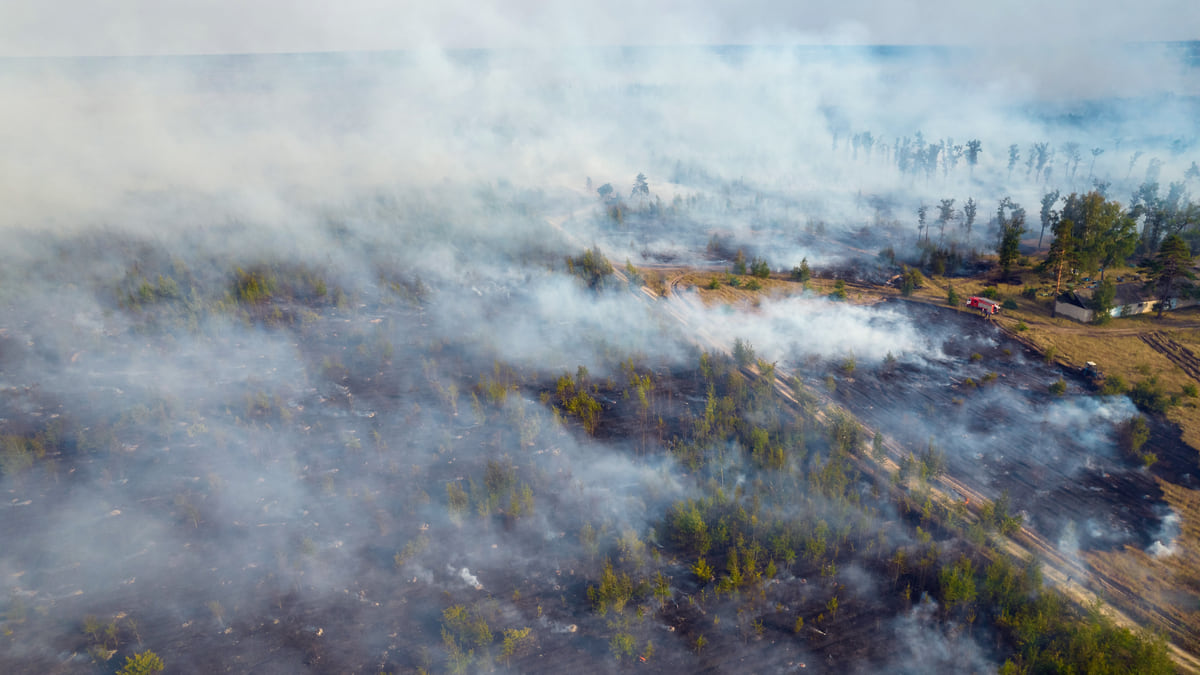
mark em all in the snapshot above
pixel 233 466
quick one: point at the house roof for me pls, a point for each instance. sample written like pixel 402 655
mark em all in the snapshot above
pixel 1072 298
pixel 1132 293
pixel 1126 294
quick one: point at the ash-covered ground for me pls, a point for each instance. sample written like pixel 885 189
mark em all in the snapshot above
pixel 275 470
pixel 983 401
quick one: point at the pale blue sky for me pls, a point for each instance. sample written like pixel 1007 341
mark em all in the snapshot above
pixel 118 27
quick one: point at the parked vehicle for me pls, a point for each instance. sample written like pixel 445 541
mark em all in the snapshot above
pixel 985 306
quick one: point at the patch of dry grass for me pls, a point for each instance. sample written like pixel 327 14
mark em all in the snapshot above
pixel 775 286
pixel 1115 347
pixel 1167 584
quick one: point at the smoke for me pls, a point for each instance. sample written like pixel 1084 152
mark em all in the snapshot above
pixel 1165 539
pixel 1068 541
pixel 138 143
pixel 471 579
pixel 800 327
pixel 927 647
pixel 234 473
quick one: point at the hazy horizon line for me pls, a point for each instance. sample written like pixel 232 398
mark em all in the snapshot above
pixel 1193 45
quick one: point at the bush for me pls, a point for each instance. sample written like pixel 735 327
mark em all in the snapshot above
pixel 912 280
pixel 1132 434
pixel 739 262
pixel 713 284
pixel 952 297
pixel 1148 396
pixel 754 285
pixel 635 278
pixel 990 293
pixel 839 291
pixel 253 287
pixel 1058 387
pixel 1021 326
pixel 938 265
pixel 760 269
pixel 743 353
pixel 802 272
pixel 1009 304
pixel 889 362
pixel 592 267
pixel 1029 292
pixel 621 645
pixel 145 663
pixel 1103 299
pixel 1114 385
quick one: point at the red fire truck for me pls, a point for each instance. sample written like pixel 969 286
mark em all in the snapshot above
pixel 985 306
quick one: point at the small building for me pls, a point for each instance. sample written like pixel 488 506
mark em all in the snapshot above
pixel 1129 299
pixel 1072 306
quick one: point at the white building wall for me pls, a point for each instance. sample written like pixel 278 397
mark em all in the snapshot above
pixel 1072 312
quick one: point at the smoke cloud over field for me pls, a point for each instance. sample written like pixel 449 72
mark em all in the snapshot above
pixel 287 340
pixel 799 328
pixel 272 140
